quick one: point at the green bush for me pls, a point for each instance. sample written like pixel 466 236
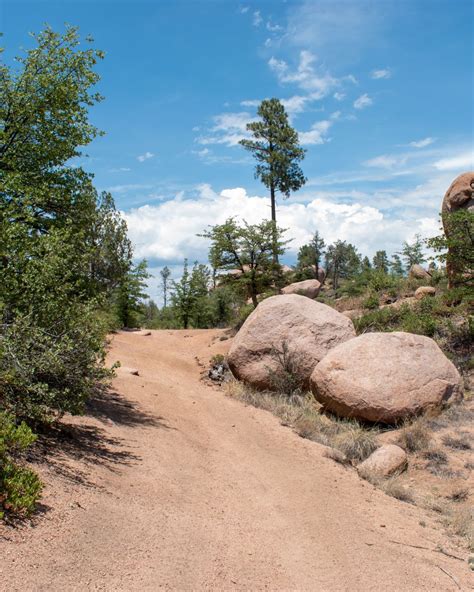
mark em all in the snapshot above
pixel 372 301
pixel 20 487
pixel 47 372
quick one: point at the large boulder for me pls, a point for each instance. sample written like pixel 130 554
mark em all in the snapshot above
pixel 308 288
pixel 460 194
pixel 387 460
pixel 308 330
pixel 418 272
pixel 386 377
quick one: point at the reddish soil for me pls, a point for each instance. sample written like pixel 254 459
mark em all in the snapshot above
pixel 166 484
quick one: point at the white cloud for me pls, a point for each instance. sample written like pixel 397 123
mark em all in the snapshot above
pixel 120 170
pixel 257 18
pixel 422 143
pixel 166 232
pixel 273 28
pixel 339 96
pixel 250 103
pixel 146 156
pixel 317 134
pixel 228 129
pixel 386 161
pixel 381 74
pixel 316 84
pixel 363 101
pixel 243 9
pixel 460 162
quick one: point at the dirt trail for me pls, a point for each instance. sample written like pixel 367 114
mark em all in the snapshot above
pixel 177 487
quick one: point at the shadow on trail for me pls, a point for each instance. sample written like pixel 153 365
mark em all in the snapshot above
pixel 69 449
pixel 110 406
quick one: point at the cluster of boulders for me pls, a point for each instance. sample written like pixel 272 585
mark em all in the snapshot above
pixel 376 377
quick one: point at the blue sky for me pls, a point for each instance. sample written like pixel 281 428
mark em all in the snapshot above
pixel 381 92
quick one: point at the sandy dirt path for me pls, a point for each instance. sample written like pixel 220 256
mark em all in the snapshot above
pixel 174 486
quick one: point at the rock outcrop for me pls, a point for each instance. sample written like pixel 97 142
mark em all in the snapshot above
pixel 383 462
pixel 418 272
pixel 308 288
pixel 424 291
pixel 385 377
pixel 308 330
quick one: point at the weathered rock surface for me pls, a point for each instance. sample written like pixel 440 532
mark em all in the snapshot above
pixel 424 291
pixel 418 272
pixel 308 288
pixel 460 194
pixel 383 462
pixel 385 377
pixel 308 328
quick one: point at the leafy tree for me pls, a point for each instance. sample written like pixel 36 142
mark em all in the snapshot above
pixel 131 292
pixel 455 247
pixel 310 257
pixel 165 274
pixel 396 266
pixel 276 148
pixel 365 264
pixel 342 261
pixel 189 291
pixel 413 253
pixel 248 249
pixel 381 261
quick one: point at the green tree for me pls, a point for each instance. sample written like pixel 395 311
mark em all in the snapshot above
pixel 455 247
pixel 366 265
pixel 381 261
pixel 248 249
pixel 165 275
pixel 276 148
pixel 131 293
pixel 310 257
pixel 412 253
pixel 342 261
pixel 189 294
pixel 396 266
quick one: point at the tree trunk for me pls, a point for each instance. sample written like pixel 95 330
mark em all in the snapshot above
pixel 273 202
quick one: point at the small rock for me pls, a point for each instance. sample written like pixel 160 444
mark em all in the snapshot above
pixel 127 370
pixel 424 291
pixel 385 461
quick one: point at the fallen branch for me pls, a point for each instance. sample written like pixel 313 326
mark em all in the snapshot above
pixel 450 576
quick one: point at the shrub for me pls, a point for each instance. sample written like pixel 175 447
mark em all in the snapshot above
pixel 415 436
pixel 47 372
pixel 372 301
pixel 20 487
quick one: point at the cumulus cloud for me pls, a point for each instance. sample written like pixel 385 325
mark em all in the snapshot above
pixel 422 143
pixel 146 156
pixel 167 233
pixel 363 101
pixel 381 74
pixel 339 96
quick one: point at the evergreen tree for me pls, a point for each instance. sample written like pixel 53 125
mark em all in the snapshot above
pixel 276 148
pixel 310 257
pixel 248 249
pixel 381 262
pixel 131 292
pixel 413 253
pixel 165 274
pixel 342 261
pixel 396 266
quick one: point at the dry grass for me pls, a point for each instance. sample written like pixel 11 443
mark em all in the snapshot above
pixel 457 443
pixel 461 522
pixel 303 414
pixel 415 435
pixel 395 488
